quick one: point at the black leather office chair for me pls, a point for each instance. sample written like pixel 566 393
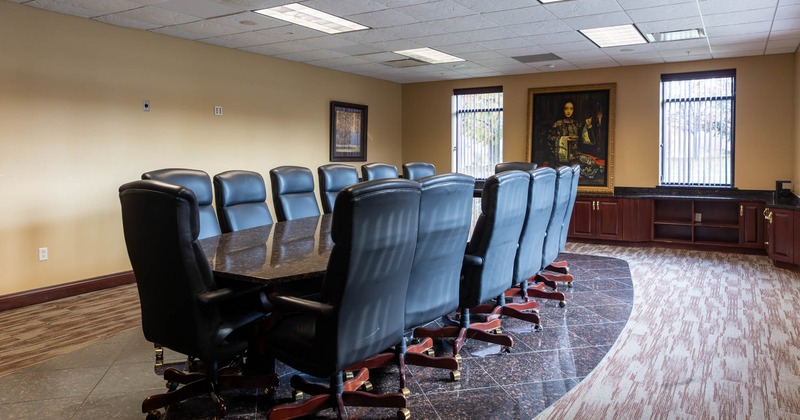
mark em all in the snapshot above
pixel 200 183
pixel 489 261
pixel 373 171
pixel 418 170
pixel 362 305
pixel 514 166
pixel 552 241
pixel 332 179
pixel 560 269
pixel 182 307
pixel 241 200
pixel 445 220
pixel 528 261
pixel 293 193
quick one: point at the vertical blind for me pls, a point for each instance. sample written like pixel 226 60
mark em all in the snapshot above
pixel 478 130
pixel 697 128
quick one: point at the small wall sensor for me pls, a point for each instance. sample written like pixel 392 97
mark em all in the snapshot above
pixel 146 106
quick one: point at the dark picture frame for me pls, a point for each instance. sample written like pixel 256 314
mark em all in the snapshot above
pixel 584 134
pixel 348 132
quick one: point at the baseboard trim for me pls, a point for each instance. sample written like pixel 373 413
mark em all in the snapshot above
pixel 60 291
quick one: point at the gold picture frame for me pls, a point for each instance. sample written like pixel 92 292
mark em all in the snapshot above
pixel 575 124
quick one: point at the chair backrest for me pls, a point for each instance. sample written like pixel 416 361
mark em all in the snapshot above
pixel 241 200
pixel 573 195
pixel 541 195
pixel 514 166
pixel 552 242
pixel 374 231
pixel 200 183
pixel 495 238
pixel 161 223
pixel 293 193
pixel 445 219
pixel 373 171
pixel 332 179
pixel 418 170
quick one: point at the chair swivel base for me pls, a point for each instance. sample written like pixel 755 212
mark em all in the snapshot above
pixel 324 397
pixel 461 330
pixel 197 383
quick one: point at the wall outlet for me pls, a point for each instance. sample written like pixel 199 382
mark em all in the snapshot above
pixel 43 254
pixel 217 110
pixel 698 217
pixel 146 106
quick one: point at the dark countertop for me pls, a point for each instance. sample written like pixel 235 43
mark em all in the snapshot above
pixel 766 197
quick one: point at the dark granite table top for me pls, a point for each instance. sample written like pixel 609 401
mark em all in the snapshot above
pixel 279 253
pixel 767 197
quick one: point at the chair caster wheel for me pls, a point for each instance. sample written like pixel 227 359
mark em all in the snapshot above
pixel 172 385
pixel 430 352
pixel 455 375
pixel 505 349
pixel 562 304
pixel 458 358
pixel 406 392
pixel 537 327
pixel 348 376
pixel 367 386
pixel 498 331
pixel 153 415
pixel 569 284
pixel 403 414
pixel 297 395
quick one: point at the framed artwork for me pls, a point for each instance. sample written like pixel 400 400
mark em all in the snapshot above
pixel 575 124
pixel 348 132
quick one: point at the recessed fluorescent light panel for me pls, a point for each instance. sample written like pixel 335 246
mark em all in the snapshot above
pixel 429 55
pixel 312 18
pixel 675 35
pixel 614 36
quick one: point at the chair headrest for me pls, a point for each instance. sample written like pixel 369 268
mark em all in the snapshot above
pixel 237 187
pixel 292 180
pixel 196 180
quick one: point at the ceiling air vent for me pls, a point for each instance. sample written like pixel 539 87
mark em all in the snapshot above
pixel 408 62
pixel 537 58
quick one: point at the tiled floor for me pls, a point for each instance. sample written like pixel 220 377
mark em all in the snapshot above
pixel 109 378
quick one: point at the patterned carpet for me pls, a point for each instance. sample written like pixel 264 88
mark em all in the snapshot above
pixel 711 335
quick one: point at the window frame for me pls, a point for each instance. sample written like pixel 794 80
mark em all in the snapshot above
pixel 698 75
pixel 456 112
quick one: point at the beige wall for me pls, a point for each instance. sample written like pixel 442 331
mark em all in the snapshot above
pixel 73 130
pixel 764 114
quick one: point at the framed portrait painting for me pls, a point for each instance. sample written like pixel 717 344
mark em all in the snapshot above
pixel 575 125
pixel 348 132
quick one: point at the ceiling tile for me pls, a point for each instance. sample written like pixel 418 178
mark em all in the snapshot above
pixel 709 7
pixel 598 21
pixel 118 20
pixel 382 19
pixel 305 56
pixel 786 24
pixel 472 22
pixel 85 9
pixel 783 43
pixel 736 18
pixel 486 6
pixel 198 29
pixel 157 16
pixel 249 21
pixel 738 29
pixel 486 34
pixel 498 44
pixel 545 28
pixel 344 8
pixel 582 45
pixel 750 46
pixel 646 4
pixel 326 42
pixel 657 13
pixel 435 10
pixel 204 9
pixel 278 48
pixel 526 15
pixel 416 30
pixel 570 9
pixel 439 40
pixel 692 57
pixel 246 39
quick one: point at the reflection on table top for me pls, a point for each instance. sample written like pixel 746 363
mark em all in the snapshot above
pixel 282 252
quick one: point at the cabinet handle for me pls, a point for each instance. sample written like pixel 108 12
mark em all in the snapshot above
pixel 594 205
pixel 741 210
pixel 768 215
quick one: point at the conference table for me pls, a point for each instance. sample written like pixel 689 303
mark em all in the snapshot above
pixel 281 253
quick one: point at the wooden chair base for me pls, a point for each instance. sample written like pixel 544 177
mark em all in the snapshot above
pixel 460 331
pixel 337 396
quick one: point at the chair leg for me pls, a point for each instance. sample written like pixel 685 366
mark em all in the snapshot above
pixel 539 291
pixel 560 272
pixel 338 395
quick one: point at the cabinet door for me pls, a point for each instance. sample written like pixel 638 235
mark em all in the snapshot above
pixel 751 215
pixel 581 225
pixel 781 235
pixel 608 219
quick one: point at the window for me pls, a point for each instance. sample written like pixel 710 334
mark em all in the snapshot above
pixel 697 128
pixel 477 130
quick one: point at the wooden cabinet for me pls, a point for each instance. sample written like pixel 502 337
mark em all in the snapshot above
pixel 596 218
pixel 708 222
pixel 751 224
pixel 780 234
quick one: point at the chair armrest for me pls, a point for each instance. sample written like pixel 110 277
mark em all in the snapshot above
pixel 291 303
pixel 227 293
pixel 472 260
